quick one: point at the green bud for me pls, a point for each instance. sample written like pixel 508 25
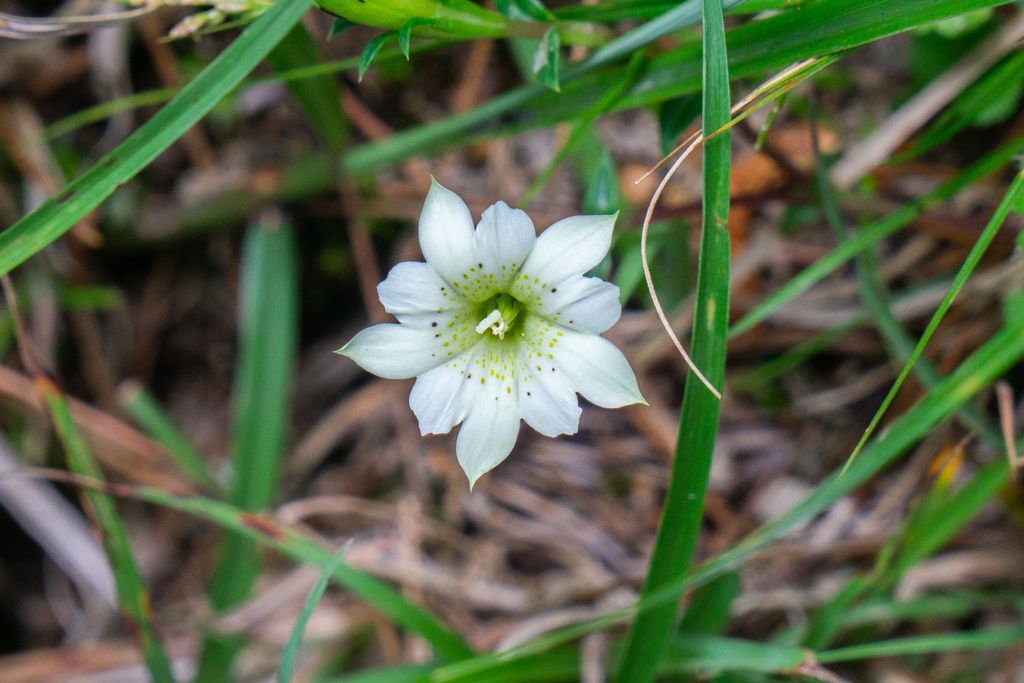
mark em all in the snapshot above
pixel 453 19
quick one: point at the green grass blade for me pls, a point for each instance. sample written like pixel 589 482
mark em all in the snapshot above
pixel 262 411
pixel 930 606
pixel 824 27
pixel 300 547
pixel 56 216
pixel 452 130
pixel 872 234
pixel 318 96
pixel 1006 206
pixel 915 645
pixel 714 654
pixel 131 590
pixel 968 106
pixel 875 298
pixel 698 420
pixel 930 531
pixel 708 611
pixel 291 650
pixel 1001 352
pixel 148 414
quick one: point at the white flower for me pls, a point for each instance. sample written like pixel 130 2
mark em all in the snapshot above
pixel 498 325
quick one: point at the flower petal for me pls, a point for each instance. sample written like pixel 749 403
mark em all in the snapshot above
pixel 414 293
pixel 396 351
pixel 487 435
pixel 596 369
pixel 440 398
pixel 446 233
pixel 547 400
pixel 585 304
pixel 572 246
pixel 491 425
pixel 502 241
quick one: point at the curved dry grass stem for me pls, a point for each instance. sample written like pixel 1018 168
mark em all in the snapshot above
pixel 763 94
pixel 767 92
pixel 647 268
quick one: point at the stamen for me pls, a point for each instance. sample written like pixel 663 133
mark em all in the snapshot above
pixel 496 322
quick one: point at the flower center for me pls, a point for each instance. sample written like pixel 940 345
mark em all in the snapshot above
pixel 501 319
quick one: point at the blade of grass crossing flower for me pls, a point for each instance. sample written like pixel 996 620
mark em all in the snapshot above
pixel 997 355
pixel 698 420
pixel 148 414
pixel 131 590
pixel 268 322
pixel 56 216
pixel 291 650
pixel 1010 200
pixel 872 234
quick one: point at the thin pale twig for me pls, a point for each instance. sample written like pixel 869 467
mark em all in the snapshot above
pixel 1004 397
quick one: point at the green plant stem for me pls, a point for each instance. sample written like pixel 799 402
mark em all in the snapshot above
pixel 131 590
pixel 268 324
pixel 681 518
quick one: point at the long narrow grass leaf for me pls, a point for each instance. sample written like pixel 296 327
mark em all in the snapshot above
pixel 131 590
pixel 987 235
pixel 291 649
pixel 930 644
pixel 262 410
pixel 698 420
pixel 148 414
pixel 872 234
pixel 300 547
pixel 1001 352
pixel 822 28
pixel 56 216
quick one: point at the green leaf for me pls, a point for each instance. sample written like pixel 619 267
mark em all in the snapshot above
pixel 56 216
pixel 713 654
pixel 708 611
pixel 405 38
pixel 973 258
pixel 995 357
pixel 300 547
pixel 819 28
pixel 448 19
pixel 148 414
pixel 535 9
pixel 986 639
pixel 319 95
pixel 370 51
pixel 131 590
pixel 339 26
pixel 601 195
pixel 675 116
pixel 268 322
pixel 547 57
pixel 291 649
pixel 683 512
